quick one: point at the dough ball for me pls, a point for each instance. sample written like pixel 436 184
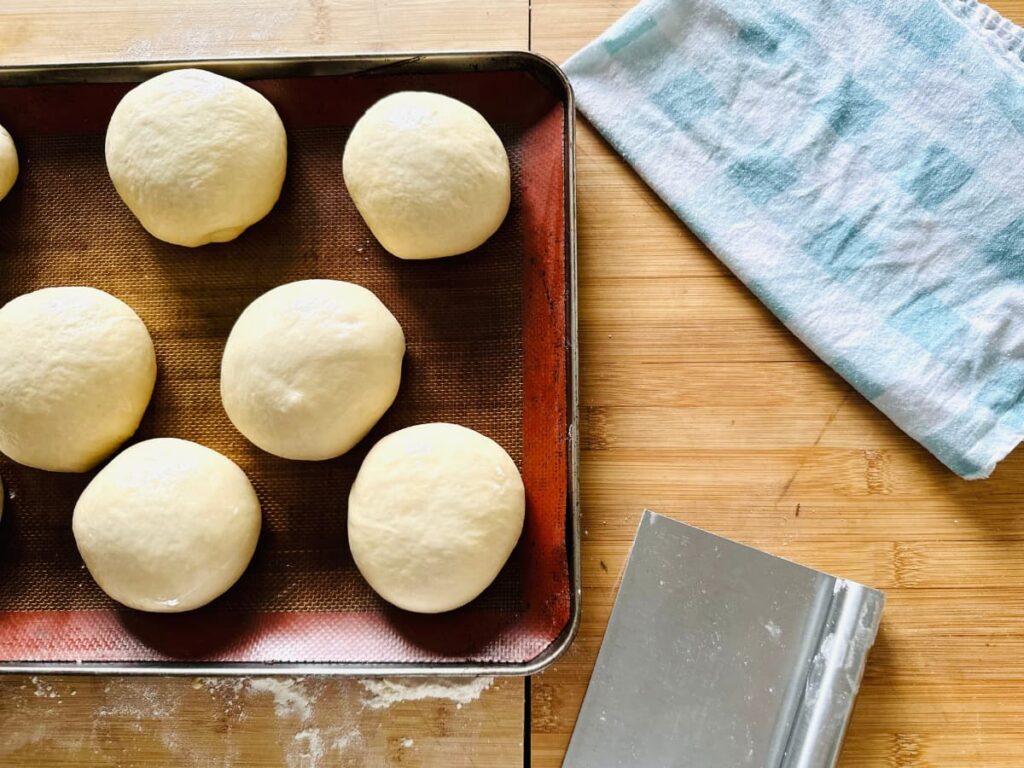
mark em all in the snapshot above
pixel 167 525
pixel 196 157
pixel 77 369
pixel 428 174
pixel 310 367
pixel 8 163
pixel 433 515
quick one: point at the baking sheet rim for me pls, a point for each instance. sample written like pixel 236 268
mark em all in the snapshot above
pixel 353 64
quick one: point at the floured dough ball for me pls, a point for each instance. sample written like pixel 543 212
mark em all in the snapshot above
pixel 428 174
pixel 433 515
pixel 196 157
pixel 77 369
pixel 310 367
pixel 167 525
pixel 8 163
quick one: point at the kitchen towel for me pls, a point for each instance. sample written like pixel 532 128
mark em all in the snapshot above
pixel 857 163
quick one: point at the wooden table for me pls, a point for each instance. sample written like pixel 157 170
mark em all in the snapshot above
pixel 695 402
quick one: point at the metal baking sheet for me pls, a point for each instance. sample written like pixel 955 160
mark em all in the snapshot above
pixel 491 345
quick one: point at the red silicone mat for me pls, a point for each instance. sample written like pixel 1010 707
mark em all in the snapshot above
pixel 489 339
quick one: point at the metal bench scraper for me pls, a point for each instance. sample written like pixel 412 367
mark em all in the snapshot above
pixel 718 655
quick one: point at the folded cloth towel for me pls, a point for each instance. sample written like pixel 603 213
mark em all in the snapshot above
pixel 857 164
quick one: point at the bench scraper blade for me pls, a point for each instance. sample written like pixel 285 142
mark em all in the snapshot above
pixel 718 655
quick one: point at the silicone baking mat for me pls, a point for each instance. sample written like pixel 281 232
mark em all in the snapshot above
pixel 487 348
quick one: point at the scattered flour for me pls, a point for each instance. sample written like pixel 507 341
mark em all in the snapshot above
pixel 346 741
pixel 150 708
pixel 227 692
pixel 180 34
pixel 308 749
pixel 136 698
pixel 43 689
pixel 384 692
pixel 140 49
pixel 290 696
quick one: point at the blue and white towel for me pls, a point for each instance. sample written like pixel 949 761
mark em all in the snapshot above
pixel 858 164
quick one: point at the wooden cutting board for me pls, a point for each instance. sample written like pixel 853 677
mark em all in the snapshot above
pixel 696 402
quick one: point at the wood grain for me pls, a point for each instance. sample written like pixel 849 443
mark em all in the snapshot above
pixel 88 721
pixel 266 723
pixel 696 402
pixel 37 31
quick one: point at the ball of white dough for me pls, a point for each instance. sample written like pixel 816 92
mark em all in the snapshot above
pixel 167 525
pixel 196 157
pixel 77 369
pixel 310 367
pixel 428 174
pixel 8 163
pixel 433 515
